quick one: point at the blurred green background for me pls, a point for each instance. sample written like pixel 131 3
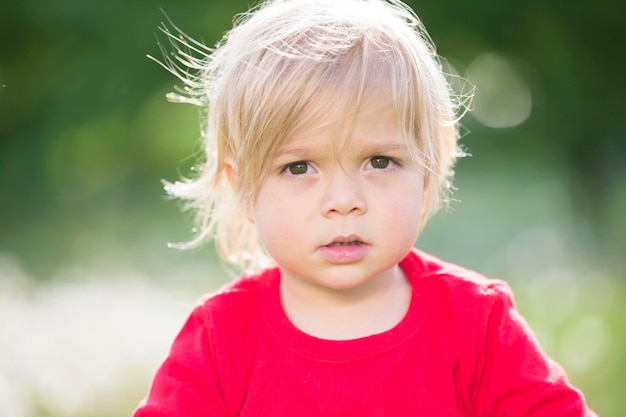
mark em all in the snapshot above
pixel 90 295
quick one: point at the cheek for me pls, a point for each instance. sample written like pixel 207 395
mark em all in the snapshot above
pixel 408 189
pixel 278 232
pixel 405 207
pixel 275 218
pixel 405 215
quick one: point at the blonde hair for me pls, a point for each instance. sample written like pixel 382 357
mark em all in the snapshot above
pixel 271 74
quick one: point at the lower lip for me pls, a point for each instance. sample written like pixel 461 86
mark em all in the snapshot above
pixel 344 254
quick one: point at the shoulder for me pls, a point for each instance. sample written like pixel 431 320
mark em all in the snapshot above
pixel 226 324
pixel 237 301
pixel 458 295
pixel 427 270
pixel 499 360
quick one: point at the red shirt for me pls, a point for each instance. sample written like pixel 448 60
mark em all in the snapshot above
pixel 461 350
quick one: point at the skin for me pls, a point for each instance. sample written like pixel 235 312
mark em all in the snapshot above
pixel 338 216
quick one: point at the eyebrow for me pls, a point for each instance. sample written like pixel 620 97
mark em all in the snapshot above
pixel 385 147
pixel 373 149
pixel 296 151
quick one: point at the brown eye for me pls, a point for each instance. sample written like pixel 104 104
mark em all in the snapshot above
pixel 298 168
pixel 380 162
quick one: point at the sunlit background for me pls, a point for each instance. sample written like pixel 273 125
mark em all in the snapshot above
pixel 90 295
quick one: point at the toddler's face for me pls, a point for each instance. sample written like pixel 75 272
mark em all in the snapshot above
pixel 336 215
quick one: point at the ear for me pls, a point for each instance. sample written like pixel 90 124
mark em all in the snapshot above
pixel 230 170
pixel 247 209
pixel 425 200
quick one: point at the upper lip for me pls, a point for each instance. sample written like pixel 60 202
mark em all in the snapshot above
pixel 346 240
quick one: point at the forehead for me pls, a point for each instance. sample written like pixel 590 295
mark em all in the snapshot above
pixel 332 126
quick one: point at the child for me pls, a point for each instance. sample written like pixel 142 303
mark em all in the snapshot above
pixel 330 140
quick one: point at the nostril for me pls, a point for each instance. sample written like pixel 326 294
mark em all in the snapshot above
pixel 343 194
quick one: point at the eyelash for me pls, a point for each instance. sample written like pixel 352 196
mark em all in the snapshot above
pixel 390 162
pixel 286 169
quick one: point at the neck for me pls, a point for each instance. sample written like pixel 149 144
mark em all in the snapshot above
pixel 347 313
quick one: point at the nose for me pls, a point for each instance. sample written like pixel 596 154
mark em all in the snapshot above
pixel 343 194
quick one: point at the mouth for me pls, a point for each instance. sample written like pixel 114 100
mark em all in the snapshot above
pixel 346 241
pixel 345 250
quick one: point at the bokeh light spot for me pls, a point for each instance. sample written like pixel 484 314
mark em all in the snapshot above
pixel 503 98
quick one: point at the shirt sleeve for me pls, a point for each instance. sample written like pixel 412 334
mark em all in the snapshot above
pixel 186 384
pixel 515 378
